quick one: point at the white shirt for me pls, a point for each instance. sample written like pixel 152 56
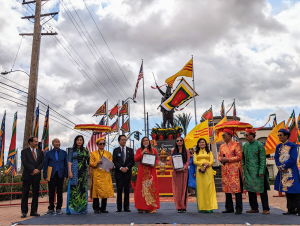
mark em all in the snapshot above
pixel 34 151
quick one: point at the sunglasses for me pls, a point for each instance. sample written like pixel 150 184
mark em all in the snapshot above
pixel 101 144
pixel 179 140
pixel 280 135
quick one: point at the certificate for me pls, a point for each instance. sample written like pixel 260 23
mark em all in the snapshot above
pixel 149 159
pixel 106 164
pixel 177 161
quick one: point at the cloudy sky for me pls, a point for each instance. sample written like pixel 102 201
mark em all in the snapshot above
pixel 243 50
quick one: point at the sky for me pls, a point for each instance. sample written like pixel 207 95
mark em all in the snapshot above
pixel 242 50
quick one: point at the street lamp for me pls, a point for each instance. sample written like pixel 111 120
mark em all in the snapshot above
pixel 134 101
pixel 7 72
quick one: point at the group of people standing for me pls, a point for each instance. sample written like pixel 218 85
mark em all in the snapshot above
pixel 242 168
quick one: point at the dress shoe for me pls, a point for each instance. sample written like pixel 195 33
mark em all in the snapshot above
pixel 23 215
pixel 118 210
pixel 288 213
pixel 128 210
pixel 34 214
pixel 265 212
pixel 104 211
pixel 226 211
pixel 252 211
pixel 238 212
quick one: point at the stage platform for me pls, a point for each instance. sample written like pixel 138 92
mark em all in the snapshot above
pixel 166 215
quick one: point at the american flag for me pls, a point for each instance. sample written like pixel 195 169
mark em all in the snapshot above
pixel 91 145
pixel 141 75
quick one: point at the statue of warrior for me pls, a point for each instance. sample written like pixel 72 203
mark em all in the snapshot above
pixel 167 115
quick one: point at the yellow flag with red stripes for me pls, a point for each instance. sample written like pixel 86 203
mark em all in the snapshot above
pixel 218 136
pixel 199 131
pixel 273 140
pixel 186 71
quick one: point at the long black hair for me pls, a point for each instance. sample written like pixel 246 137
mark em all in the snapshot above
pixel 75 145
pixel 176 150
pixel 143 147
pixel 206 146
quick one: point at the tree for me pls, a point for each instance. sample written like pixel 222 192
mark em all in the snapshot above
pixel 184 120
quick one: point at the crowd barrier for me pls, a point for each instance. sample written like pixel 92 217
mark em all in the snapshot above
pixel 19 193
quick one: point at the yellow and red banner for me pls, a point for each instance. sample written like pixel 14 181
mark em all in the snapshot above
pixel 125 127
pixel 101 110
pixel 273 140
pixel 218 136
pixel 199 131
pixel 182 93
pixel 186 71
pixel 124 109
pixel 114 127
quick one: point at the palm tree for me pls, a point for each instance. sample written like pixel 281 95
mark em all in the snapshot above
pixel 184 121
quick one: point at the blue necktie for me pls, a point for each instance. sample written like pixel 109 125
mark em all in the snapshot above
pixel 56 157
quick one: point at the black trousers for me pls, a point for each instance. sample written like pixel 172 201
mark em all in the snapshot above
pixel 123 183
pixel 35 183
pixel 96 204
pixel 263 197
pixel 58 183
pixel 238 199
pixel 293 202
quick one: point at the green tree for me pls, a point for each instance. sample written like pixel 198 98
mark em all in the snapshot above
pixel 184 120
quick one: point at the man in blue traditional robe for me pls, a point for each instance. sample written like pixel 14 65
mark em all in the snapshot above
pixel 287 179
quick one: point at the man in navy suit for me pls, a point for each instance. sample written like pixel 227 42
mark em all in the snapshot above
pixel 57 159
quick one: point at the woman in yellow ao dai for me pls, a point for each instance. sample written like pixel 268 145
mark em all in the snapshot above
pixel 205 183
pixel 101 182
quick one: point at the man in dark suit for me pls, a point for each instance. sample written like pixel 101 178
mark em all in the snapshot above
pixel 57 159
pixel 123 158
pixel 32 160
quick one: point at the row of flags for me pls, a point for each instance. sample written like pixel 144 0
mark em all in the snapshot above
pixel 115 111
pixel 12 151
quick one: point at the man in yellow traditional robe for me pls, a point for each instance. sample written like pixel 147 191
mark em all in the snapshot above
pixel 101 182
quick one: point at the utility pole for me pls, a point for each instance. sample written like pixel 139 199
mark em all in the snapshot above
pixel 147 125
pixel 34 65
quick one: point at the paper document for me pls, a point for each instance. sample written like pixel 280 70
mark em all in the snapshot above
pixel 49 171
pixel 106 164
pixel 149 159
pixel 177 161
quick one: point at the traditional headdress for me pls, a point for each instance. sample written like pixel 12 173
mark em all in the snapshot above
pixel 101 138
pixel 228 131
pixel 251 131
pixel 285 132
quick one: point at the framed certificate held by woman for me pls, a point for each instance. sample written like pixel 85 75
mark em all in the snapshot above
pixel 149 159
pixel 177 161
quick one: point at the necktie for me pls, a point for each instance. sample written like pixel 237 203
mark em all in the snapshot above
pixel 56 155
pixel 34 156
pixel 124 155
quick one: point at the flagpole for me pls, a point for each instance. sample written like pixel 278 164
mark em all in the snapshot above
pixel 214 136
pixel 106 110
pixel 194 93
pixel 118 117
pixel 144 96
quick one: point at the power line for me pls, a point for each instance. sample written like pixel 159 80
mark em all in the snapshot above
pixel 107 45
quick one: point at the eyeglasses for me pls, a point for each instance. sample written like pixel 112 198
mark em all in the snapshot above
pixel 280 135
pixel 179 140
pixel 101 144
